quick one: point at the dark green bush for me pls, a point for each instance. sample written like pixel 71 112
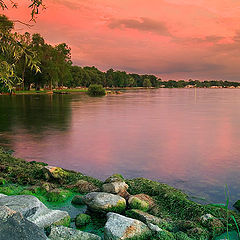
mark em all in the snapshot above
pixel 96 90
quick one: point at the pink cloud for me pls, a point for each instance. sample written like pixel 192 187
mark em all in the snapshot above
pixel 170 38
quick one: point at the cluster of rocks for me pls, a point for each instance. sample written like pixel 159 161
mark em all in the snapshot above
pixel 127 217
pixel 114 200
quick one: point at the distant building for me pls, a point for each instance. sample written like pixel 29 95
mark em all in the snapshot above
pixel 216 87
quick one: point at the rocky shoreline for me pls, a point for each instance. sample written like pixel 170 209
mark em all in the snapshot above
pixel 115 209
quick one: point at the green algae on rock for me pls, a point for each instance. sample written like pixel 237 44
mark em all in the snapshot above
pixel 2 181
pixel 174 204
pixel 182 236
pixel 105 202
pixel 198 233
pixel 148 218
pixel 114 178
pixel 58 195
pixel 16 170
pixel 136 203
pixel 63 222
pixel 83 186
pixel 214 225
pixel 54 172
pixel 82 220
pixel 185 225
pixel 165 235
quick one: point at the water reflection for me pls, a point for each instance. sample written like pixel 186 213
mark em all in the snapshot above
pixel 185 137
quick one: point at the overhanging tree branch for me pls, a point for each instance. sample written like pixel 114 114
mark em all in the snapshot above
pixel 34 5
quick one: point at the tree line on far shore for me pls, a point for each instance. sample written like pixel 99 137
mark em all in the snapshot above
pixel 199 84
pixel 28 61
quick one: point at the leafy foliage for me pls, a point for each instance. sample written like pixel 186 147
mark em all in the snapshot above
pixel 228 216
pixel 13 50
pixel 95 90
pixel 147 83
pixel 34 5
pixel 198 84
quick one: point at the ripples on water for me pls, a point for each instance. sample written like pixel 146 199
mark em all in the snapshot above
pixel 185 137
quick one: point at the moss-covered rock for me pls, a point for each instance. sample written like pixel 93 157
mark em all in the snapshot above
pixel 136 203
pixel 2 181
pixel 105 202
pixel 115 187
pixel 118 208
pixel 83 186
pixel 82 220
pixel 114 178
pixel 174 204
pixel 148 218
pixel 215 226
pixel 11 189
pixel 19 171
pixel 198 233
pixel 46 186
pixel 165 235
pixel 26 192
pixel 185 225
pixel 63 222
pixel 182 236
pixel 54 172
pixel 57 195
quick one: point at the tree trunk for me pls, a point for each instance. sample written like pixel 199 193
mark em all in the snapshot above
pixel 23 75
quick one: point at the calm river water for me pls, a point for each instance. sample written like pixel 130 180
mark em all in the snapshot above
pixel 185 137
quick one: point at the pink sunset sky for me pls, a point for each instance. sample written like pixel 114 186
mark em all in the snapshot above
pixel 173 39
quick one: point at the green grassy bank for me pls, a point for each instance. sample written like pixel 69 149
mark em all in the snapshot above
pixel 73 90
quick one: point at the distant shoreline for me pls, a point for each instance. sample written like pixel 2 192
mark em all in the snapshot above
pixel 108 90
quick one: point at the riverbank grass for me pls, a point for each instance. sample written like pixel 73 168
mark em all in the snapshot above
pixel 33 92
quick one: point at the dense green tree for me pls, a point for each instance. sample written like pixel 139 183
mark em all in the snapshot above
pixel 13 50
pixel 96 90
pixel 21 65
pixel 147 83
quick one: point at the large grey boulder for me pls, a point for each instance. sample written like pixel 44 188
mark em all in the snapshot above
pixel 2 195
pixel 13 226
pixel 115 187
pixel 34 210
pixel 64 233
pixel 120 227
pixel 105 202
